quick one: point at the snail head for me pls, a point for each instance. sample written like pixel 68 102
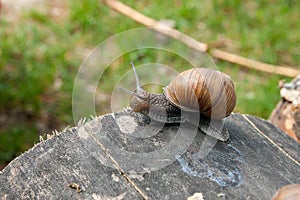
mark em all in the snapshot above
pixel 140 99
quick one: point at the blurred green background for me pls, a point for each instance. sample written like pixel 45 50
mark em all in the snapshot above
pixel 42 49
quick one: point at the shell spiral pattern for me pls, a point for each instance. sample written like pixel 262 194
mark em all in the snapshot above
pixel 203 90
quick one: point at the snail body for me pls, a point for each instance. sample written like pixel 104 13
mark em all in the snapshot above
pixel 201 91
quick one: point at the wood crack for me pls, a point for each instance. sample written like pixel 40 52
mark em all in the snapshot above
pixel 120 170
pixel 268 138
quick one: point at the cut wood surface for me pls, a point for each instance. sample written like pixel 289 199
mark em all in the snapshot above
pixel 111 157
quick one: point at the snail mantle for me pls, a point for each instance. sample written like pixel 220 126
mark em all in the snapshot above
pixel 115 156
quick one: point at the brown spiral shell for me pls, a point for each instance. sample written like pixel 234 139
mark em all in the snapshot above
pixel 288 192
pixel 201 89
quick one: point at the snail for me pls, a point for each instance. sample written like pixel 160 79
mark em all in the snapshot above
pixel 198 92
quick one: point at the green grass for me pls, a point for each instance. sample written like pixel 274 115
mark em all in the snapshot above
pixel 37 52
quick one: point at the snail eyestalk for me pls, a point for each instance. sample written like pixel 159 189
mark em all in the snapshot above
pixel 138 87
pixel 130 92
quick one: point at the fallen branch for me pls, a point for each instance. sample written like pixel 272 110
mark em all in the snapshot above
pixel 147 21
pixel 280 70
pixel 202 47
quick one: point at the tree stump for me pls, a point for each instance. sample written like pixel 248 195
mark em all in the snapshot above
pixel 286 114
pixel 117 156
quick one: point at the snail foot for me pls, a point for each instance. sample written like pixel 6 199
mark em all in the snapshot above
pixel 214 128
pixel 141 119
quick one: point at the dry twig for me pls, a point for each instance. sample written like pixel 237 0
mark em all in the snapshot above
pixel 202 47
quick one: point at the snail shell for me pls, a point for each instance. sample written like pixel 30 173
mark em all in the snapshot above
pixel 201 89
pixel 288 192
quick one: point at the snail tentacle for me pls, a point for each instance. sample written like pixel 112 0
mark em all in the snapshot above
pixel 137 81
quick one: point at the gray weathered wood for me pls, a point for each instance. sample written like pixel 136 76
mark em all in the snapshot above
pixel 112 157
